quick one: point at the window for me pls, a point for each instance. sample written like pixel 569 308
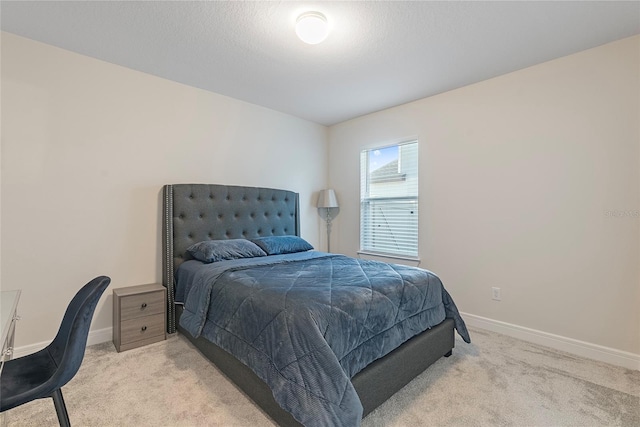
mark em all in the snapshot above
pixel 389 200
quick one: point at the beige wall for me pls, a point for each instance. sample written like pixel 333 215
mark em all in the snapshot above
pixel 86 148
pixel 519 174
pixel 519 177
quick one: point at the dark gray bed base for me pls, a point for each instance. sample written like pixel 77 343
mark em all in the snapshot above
pixel 197 212
pixel 374 384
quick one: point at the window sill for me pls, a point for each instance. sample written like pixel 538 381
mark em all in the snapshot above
pixel 389 256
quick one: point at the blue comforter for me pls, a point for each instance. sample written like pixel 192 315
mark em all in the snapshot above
pixel 306 323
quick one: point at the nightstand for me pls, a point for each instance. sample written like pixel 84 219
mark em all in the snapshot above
pixel 139 315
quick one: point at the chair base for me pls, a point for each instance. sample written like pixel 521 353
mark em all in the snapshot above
pixel 61 408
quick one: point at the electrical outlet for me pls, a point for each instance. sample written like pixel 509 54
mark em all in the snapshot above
pixel 495 294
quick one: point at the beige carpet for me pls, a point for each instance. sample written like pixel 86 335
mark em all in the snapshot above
pixel 496 381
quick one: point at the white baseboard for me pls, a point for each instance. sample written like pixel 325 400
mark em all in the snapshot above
pixel 95 337
pixel 570 345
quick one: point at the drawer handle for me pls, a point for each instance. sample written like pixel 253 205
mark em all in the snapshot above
pixel 144 328
pixel 143 306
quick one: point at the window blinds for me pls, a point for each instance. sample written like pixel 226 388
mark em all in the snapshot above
pixel 389 200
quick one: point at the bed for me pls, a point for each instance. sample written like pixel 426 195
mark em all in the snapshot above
pixel 296 368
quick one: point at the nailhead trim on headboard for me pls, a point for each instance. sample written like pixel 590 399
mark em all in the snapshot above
pixel 197 212
pixel 167 254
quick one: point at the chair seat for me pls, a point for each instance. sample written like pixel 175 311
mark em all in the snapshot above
pixel 22 379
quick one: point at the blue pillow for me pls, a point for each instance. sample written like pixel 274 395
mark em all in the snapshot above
pixel 219 250
pixel 276 245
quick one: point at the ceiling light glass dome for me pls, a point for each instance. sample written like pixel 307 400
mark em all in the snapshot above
pixel 312 27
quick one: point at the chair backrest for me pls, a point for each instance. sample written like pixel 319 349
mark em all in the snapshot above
pixel 67 348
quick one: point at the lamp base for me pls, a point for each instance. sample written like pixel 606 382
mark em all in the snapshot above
pixel 328 229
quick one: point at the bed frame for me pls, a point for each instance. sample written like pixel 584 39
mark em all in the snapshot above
pixel 197 212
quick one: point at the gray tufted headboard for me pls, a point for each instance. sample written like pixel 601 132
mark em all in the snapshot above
pixel 196 212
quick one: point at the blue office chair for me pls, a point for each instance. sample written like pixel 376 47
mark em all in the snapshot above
pixel 44 373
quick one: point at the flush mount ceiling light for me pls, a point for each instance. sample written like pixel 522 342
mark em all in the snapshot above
pixel 312 27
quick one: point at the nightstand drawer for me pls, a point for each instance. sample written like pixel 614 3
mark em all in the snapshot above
pixel 134 306
pixel 142 328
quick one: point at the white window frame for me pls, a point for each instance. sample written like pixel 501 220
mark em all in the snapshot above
pixel 404 236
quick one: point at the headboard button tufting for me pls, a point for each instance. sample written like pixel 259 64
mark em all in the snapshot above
pixel 194 212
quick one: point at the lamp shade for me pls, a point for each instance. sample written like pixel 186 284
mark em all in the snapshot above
pixel 327 199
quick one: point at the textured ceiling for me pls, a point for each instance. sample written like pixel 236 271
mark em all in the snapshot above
pixel 378 54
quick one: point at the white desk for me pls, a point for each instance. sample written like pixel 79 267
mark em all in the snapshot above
pixel 8 317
